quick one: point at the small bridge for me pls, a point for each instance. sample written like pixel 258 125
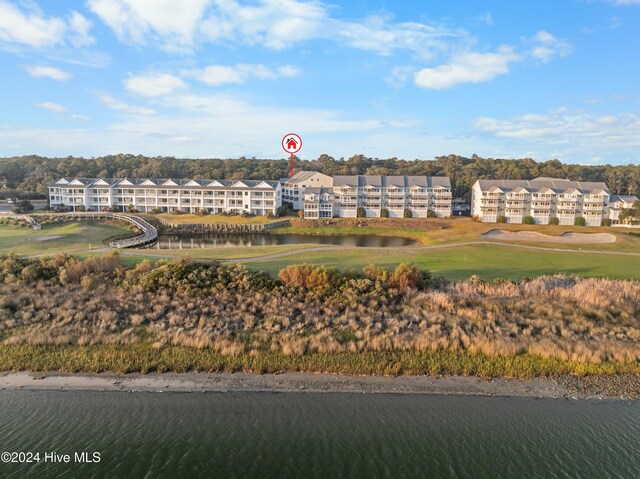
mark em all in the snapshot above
pixel 149 232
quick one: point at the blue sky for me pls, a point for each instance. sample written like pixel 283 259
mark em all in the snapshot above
pixel 411 79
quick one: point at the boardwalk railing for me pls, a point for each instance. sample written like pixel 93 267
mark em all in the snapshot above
pixel 149 233
pixel 219 227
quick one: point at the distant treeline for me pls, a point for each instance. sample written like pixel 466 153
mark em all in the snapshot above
pixel 33 173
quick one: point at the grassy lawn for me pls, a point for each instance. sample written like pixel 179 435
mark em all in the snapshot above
pixel 54 239
pixel 488 261
pixel 461 230
pixel 208 219
pixel 220 252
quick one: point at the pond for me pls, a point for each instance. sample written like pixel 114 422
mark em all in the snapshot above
pixel 226 240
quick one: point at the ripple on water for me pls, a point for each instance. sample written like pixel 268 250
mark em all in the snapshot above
pixel 320 435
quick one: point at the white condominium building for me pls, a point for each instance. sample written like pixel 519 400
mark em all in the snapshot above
pixel 167 195
pixel 542 199
pixel 375 193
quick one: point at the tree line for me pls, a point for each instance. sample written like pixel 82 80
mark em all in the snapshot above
pixel 31 174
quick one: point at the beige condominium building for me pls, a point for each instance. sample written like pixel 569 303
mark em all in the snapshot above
pixel 542 199
pixel 256 197
pixel 293 188
pixel 374 193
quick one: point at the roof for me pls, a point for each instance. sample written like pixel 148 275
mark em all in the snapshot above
pixel 166 182
pixel 629 199
pixel 302 176
pixel 542 184
pixel 317 190
pixel 392 180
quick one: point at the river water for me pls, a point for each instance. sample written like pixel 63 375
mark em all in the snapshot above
pixel 267 435
pixel 212 240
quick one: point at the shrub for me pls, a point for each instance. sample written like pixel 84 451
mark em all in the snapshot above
pixel 300 214
pixel 361 213
pixel 606 222
pixel 305 276
pixel 408 213
pixel 270 215
pixel 502 219
pixel 156 211
pixel 580 221
pixel 282 210
pixel 132 209
pixel 178 212
pixel 23 207
pixel 554 221
pixel 202 212
pixel 81 208
pixel 528 220
pixel 384 213
pixel 407 277
pixel 431 214
pixel 375 273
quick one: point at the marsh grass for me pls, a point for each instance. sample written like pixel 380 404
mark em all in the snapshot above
pixel 145 358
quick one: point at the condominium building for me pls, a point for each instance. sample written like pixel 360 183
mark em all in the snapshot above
pixel 541 198
pixel 374 193
pixel 167 195
pixel 293 188
pixel 617 203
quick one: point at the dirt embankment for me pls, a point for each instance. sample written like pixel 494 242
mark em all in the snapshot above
pixel 399 223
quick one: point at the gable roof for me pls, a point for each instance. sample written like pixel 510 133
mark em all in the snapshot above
pixel 558 185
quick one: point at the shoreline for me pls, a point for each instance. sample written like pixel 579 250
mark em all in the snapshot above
pixel 564 387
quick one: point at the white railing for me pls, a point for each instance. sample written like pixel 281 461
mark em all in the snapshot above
pixel 149 232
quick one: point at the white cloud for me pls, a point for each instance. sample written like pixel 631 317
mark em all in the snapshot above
pixel 216 75
pixel 154 84
pixel 115 104
pixel 571 130
pixel 275 24
pixel 289 71
pixel 467 68
pixel 625 2
pixel 486 18
pixel 79 117
pixel 30 27
pixel 399 75
pixel 168 22
pixel 48 105
pixel 80 26
pixel 47 72
pixel 545 46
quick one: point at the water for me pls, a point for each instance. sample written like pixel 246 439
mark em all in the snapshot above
pixel 210 240
pixel 266 435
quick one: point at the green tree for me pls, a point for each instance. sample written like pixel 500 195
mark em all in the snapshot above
pixel 528 220
pixel 631 215
pixel 23 207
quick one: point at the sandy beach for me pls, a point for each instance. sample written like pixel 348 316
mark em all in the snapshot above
pixel 566 387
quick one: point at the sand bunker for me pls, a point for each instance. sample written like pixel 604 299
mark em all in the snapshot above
pixel 576 238
pixel 44 238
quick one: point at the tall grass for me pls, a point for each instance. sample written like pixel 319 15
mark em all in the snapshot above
pixel 146 358
pixel 98 313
